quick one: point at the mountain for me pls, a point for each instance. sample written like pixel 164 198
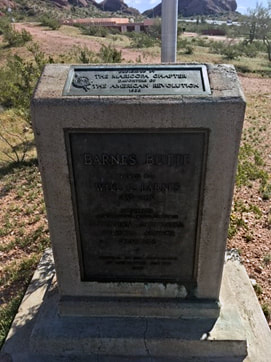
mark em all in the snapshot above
pixel 186 7
pixel 197 7
pixel 106 5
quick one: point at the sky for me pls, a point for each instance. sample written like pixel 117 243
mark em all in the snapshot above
pixel 142 5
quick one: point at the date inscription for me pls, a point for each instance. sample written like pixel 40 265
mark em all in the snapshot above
pixel 137 203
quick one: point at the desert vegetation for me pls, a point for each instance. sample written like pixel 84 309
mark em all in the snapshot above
pixel 26 48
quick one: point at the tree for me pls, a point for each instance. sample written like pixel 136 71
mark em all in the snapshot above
pixel 264 28
pixel 258 26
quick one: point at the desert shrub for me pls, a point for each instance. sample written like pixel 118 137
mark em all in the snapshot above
pixel 154 31
pixel 15 38
pixel 15 137
pixel 86 56
pixel 266 191
pixel 109 54
pixel 4 23
pixel 18 79
pixel 259 45
pixel 113 31
pixel 94 30
pixel 202 42
pixel 216 47
pixel 142 40
pixel 50 21
pixel 184 46
pixel 227 49
pixel 231 52
pixel 182 43
pixel 251 50
pixel 247 49
pixel 250 168
pixel 189 49
pixel 242 68
pixel 106 54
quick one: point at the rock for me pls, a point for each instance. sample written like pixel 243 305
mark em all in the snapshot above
pixel 81 3
pixel 253 282
pixel 258 269
pixel 197 7
pixel 117 5
pixel 61 3
pixel 5 4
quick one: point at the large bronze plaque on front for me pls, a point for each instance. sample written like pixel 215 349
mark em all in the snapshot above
pixel 137 201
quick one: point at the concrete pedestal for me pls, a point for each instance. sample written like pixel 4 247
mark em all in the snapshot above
pixel 39 334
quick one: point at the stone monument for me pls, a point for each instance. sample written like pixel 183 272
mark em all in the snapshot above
pixel 138 165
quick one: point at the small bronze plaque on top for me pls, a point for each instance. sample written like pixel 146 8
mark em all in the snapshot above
pixel 152 80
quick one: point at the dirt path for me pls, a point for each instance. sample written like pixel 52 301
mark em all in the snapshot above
pixel 57 43
pixel 253 86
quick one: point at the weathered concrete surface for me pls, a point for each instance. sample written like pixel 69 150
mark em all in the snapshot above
pixel 78 340
pixel 237 289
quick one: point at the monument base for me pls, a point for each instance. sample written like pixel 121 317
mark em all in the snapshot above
pixel 39 334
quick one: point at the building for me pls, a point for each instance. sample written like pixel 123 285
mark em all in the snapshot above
pixel 121 24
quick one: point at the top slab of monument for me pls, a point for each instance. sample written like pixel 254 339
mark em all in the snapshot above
pixel 215 81
pixel 141 80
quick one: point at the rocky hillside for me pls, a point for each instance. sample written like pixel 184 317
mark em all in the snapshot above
pixel 5 4
pixel 198 7
pixel 67 3
pixel 106 5
pixel 117 5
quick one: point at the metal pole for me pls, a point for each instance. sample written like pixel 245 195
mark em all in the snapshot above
pixel 169 30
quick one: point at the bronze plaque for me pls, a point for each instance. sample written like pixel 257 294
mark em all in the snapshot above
pixel 141 80
pixel 137 201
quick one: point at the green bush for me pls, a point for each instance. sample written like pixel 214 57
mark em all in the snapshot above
pixel 4 23
pixel 231 52
pixel 109 54
pixel 182 43
pixel 216 47
pixel 202 42
pixel 266 191
pixel 184 46
pixel 248 50
pixel 50 21
pixel 189 49
pixel 154 31
pixel 94 30
pixel 106 54
pixel 18 79
pixel 15 38
pixel 86 56
pixel 142 40
pixel 226 49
